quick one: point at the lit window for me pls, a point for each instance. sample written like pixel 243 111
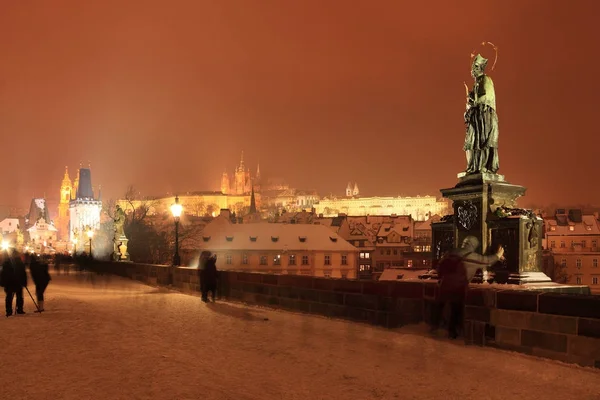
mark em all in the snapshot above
pixel 304 260
pixel 263 260
pixel 409 263
pixel 277 260
pixel 595 263
pixel 228 259
pixel 578 280
pixel 571 228
pixel 245 259
pixel 327 260
pixel 578 263
pixel 344 259
pixel 594 280
pixel 563 263
pixel 292 259
pixel 364 267
pixel 365 255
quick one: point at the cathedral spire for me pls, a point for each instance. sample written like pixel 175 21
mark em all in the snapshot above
pixel 252 202
pixel 257 171
pixel 242 161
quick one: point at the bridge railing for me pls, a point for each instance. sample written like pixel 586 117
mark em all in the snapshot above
pixel 560 326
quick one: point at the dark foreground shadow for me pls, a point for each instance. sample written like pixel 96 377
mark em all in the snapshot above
pixel 235 312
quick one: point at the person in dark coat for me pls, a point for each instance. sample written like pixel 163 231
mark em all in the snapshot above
pixel 13 278
pixel 41 278
pixel 455 271
pixel 208 275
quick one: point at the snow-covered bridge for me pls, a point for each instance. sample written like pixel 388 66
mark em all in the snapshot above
pixel 124 340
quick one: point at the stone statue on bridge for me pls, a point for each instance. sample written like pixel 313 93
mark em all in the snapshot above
pixel 481 120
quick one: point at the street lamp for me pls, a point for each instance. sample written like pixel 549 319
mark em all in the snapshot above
pixel 90 234
pixel 5 245
pixel 176 209
pixel 75 245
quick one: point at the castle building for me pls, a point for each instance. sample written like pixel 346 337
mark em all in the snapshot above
pixel 84 207
pixel 242 181
pixel 420 208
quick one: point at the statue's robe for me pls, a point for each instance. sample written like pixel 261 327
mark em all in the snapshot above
pixel 482 128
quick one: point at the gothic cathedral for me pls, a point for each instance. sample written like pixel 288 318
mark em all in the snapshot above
pixel 243 183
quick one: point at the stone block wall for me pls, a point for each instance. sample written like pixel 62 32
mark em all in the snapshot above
pixel 563 327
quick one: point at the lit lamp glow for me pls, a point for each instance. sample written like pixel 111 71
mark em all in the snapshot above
pixel 75 244
pixel 176 209
pixel 90 234
pixel 5 245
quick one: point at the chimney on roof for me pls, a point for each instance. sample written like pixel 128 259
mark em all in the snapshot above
pixel 225 213
pixel 575 215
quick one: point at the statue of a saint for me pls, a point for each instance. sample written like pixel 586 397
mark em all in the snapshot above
pixel 481 141
pixel 119 221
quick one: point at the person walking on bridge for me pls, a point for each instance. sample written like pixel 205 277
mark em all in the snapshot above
pixel 455 271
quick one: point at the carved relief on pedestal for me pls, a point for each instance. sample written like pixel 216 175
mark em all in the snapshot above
pixel 467 214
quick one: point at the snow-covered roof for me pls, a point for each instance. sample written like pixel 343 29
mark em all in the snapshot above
pixel 588 226
pixel 272 237
pixel 47 227
pixel 40 203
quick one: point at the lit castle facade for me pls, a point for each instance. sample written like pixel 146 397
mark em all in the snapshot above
pixel 419 207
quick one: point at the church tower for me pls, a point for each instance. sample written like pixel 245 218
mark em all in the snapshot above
pixel 240 177
pixel 349 190
pixel 63 207
pixel 355 191
pixel 225 188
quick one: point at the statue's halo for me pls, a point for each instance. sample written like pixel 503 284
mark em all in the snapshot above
pixel 474 53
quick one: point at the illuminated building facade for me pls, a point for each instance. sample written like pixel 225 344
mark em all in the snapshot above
pixel 420 208
pixel 574 242
pixel 84 207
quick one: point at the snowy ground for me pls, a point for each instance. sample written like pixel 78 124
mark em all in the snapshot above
pixel 130 341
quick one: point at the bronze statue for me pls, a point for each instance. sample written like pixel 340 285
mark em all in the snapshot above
pixel 481 140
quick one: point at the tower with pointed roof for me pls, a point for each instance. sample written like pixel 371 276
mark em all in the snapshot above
pixel 62 222
pixel 84 208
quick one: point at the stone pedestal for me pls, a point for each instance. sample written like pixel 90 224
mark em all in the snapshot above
pixel 479 203
pixel 120 248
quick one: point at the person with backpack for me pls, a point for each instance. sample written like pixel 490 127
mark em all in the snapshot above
pixel 13 278
pixel 455 271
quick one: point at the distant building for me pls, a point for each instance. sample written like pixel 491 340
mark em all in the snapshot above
pixel 84 208
pixel 9 225
pixel 574 240
pixel 420 208
pixel 42 236
pixel 295 249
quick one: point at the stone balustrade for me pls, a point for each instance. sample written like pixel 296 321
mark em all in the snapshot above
pixel 564 327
